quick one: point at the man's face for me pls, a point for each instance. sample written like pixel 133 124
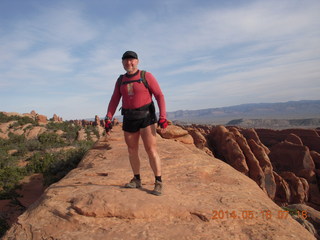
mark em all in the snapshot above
pixel 130 65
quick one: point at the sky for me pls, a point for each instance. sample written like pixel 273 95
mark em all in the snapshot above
pixel 64 56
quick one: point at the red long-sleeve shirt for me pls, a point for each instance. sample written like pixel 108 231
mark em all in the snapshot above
pixel 135 95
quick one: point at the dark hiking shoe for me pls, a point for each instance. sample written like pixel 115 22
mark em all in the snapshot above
pixel 157 188
pixel 134 183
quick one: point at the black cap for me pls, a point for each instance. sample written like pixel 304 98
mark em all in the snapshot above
pixel 129 54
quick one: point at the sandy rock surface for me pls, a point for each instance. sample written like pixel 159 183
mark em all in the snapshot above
pixel 200 192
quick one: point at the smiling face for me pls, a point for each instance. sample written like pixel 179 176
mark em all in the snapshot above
pixel 130 65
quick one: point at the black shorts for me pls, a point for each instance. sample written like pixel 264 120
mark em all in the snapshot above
pixel 130 125
pixel 134 125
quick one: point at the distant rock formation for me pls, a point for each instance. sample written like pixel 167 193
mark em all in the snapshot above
pixel 97 121
pixel 56 118
pixel 41 119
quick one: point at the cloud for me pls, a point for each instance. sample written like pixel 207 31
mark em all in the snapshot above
pixel 204 53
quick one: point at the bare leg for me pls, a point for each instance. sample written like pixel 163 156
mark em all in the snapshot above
pixel 132 141
pixel 149 139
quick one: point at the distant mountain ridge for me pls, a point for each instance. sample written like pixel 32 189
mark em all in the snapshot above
pixel 283 110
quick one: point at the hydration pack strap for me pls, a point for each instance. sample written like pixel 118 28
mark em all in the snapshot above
pixel 142 79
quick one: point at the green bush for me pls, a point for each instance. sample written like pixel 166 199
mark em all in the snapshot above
pixel 52 165
pixel 291 211
pixel 33 145
pixel 69 129
pixel 91 129
pixel 67 161
pixel 6 160
pixel 50 140
pixel 10 177
pixel 55 166
pixel 14 139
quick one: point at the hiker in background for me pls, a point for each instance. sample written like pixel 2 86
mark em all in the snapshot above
pixel 136 88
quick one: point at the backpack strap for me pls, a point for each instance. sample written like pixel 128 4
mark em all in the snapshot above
pixel 142 79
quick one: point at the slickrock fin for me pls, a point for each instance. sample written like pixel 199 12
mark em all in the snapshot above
pixel 204 198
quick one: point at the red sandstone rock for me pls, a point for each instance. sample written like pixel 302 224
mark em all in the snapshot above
pixel 116 122
pixel 291 157
pixel 4 136
pixel 306 188
pixel 176 133
pixel 311 178
pixel 228 149
pixel 250 133
pixel 309 137
pixel 255 171
pixel 41 119
pixel 199 140
pixel 31 189
pixel 293 138
pixel 298 189
pixel 283 193
pixel 56 118
pixel 187 139
pixel 316 158
pixel 34 132
pixel 173 131
pixel 81 135
pixel 266 167
pixel 270 137
pixel 96 121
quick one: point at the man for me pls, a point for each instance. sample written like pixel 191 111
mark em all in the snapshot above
pixel 136 89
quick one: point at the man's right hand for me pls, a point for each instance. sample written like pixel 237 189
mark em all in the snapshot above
pixel 107 124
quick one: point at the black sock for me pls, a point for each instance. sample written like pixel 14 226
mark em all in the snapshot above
pixel 137 176
pixel 158 178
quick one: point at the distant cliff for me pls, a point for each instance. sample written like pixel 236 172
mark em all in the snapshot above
pixel 276 123
pixel 286 110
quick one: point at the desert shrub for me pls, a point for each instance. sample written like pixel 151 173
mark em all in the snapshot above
pixel 40 162
pixel 10 177
pixel 71 134
pixel 291 211
pixel 3 158
pixel 15 139
pixel 95 131
pixel 69 129
pixel 49 140
pixel 83 144
pixel 3 118
pixel 91 129
pixel 7 160
pixel 16 142
pixel 33 145
pixel 55 166
pixel 67 161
